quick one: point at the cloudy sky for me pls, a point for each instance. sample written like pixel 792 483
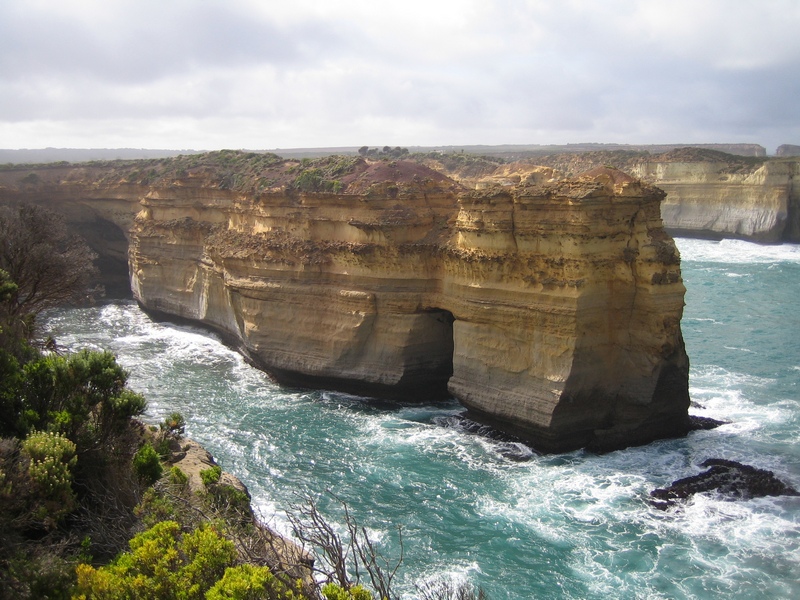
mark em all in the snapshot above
pixel 262 74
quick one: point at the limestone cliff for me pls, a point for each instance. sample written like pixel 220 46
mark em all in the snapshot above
pixel 550 309
pixel 713 197
pixel 710 194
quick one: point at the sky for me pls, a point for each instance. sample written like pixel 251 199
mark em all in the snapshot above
pixel 267 74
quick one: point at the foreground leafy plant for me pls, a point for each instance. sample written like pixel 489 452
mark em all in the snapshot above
pixel 163 562
pixel 147 464
pixel 51 460
pixel 211 475
pixel 82 395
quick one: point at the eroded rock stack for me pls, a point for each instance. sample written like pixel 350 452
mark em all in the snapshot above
pixel 549 309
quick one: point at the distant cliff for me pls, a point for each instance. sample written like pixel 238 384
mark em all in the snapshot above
pixel 550 309
pixel 710 194
pixel 788 150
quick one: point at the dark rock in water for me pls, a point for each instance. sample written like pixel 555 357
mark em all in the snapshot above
pixel 697 423
pixel 509 446
pixel 726 477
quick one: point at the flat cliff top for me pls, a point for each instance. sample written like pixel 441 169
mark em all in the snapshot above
pixel 256 174
pixel 573 164
pixel 733 163
pixel 245 172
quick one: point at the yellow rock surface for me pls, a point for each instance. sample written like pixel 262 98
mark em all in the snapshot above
pixel 550 309
pixel 705 198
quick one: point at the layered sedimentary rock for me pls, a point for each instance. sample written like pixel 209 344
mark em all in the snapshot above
pixel 550 309
pixel 709 199
pixel 100 211
pixel 710 194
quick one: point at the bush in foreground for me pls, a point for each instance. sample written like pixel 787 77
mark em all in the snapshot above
pixel 166 563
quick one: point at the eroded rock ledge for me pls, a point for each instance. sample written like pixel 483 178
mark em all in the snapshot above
pixel 550 309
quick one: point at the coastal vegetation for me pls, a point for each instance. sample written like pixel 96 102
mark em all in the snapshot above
pixel 94 504
pixel 48 265
pixel 85 508
pixel 260 172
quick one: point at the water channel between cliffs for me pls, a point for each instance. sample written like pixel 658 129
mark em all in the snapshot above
pixel 574 525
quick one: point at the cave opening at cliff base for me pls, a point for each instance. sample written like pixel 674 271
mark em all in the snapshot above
pixel 429 354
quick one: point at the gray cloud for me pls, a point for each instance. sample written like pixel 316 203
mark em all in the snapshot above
pixel 257 74
pixel 142 44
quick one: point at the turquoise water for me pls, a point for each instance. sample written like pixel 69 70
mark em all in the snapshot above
pixel 568 526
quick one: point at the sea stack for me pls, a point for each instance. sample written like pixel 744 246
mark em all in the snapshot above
pixel 550 309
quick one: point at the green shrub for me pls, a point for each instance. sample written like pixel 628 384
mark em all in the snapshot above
pixel 154 508
pixel 211 476
pixel 147 465
pixel 178 477
pixel 162 448
pixel 43 445
pixel 170 429
pixel 248 582
pixel 310 180
pixel 232 503
pixel 207 556
pixel 52 458
pixel 173 426
pixel 162 563
pixel 332 591
pixel 41 575
pixel 82 395
pixel 32 178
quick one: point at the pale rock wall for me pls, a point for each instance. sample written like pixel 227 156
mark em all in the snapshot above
pixel 705 200
pixel 549 309
pixel 552 312
pixel 576 321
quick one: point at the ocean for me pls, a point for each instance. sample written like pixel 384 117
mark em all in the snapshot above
pixel 520 525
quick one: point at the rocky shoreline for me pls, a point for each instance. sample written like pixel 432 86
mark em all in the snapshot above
pixel 282 553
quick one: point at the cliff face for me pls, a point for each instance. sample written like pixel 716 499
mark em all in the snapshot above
pixel 549 309
pixel 710 194
pixel 707 199
pixel 787 150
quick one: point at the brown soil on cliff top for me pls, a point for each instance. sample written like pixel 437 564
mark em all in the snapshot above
pixel 401 172
pixel 247 172
pixel 572 164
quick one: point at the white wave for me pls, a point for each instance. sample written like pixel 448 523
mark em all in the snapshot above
pixel 742 414
pixel 717 377
pixel 705 320
pixel 434 576
pixel 735 251
pixel 748 350
pixel 769 524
